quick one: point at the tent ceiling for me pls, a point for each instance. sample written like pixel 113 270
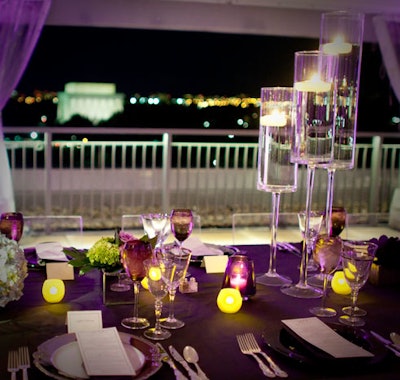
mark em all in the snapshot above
pixel 292 18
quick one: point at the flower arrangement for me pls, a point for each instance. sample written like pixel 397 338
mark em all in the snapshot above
pixel 13 270
pixel 103 255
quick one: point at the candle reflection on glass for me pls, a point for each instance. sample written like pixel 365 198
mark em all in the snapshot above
pixel 339 284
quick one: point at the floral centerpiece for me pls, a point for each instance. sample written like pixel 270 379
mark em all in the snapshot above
pixel 13 270
pixel 103 255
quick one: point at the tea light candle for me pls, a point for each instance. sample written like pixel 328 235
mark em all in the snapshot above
pixel 315 84
pixel 238 282
pixel 53 290
pixel 275 119
pixel 338 46
pixel 229 300
pixel 339 284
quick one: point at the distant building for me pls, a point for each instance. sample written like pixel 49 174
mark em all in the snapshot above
pixel 93 101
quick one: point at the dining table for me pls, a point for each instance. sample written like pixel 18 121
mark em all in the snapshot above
pixel 30 321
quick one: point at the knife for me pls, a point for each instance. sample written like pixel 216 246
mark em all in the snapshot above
pixel 388 344
pixel 178 357
pixel 167 359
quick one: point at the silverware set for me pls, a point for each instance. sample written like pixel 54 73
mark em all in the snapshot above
pixel 249 346
pixel 165 357
pixel 19 360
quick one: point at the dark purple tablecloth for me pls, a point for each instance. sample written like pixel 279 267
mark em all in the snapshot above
pixel 31 321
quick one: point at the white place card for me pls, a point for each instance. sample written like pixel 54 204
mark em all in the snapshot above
pixel 320 335
pixel 84 320
pixel 62 271
pixel 215 264
pixel 103 353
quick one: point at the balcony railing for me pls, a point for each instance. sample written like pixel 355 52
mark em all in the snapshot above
pixel 129 171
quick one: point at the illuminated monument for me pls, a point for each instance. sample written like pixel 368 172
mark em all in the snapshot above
pixel 93 101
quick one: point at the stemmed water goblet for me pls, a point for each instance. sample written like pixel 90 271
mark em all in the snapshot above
pixel 357 257
pixel 327 254
pixel 173 271
pixel 158 289
pixel 12 225
pixel 156 225
pixel 315 223
pixel 181 225
pixel 313 133
pixel 276 174
pixel 133 254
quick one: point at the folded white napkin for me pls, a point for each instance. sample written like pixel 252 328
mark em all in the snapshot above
pixel 198 248
pixel 50 251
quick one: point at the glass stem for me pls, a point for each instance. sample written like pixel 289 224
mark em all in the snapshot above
pixel 171 313
pixel 157 312
pixel 135 298
pixel 307 245
pixel 325 289
pixel 274 228
pixel 354 296
pixel 329 201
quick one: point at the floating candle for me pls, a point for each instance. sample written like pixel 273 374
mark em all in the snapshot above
pixel 275 119
pixel 53 290
pixel 315 84
pixel 339 284
pixel 229 300
pixel 338 46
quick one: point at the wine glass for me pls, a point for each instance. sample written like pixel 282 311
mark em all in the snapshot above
pixel 276 174
pixel 173 271
pixel 315 223
pixel 133 254
pixel 357 257
pixel 327 255
pixel 181 225
pixel 156 225
pixel 12 225
pixel 158 289
pixel 313 133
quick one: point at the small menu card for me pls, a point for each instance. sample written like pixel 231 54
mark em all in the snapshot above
pixel 320 335
pixel 103 353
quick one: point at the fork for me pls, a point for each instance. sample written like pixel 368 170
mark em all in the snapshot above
pixel 13 364
pixel 24 361
pixel 247 351
pixel 253 345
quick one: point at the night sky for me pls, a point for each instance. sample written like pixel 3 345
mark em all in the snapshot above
pixel 178 63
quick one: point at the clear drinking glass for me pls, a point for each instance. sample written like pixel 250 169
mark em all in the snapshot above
pixel 342 34
pixel 156 225
pixel 181 225
pixel 357 257
pixel 173 271
pixel 133 254
pixel 276 174
pixel 327 255
pixel 313 133
pixel 158 289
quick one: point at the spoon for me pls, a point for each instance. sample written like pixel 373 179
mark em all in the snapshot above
pixel 191 356
pixel 395 338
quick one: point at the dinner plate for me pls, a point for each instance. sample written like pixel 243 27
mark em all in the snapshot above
pixel 58 358
pixel 287 343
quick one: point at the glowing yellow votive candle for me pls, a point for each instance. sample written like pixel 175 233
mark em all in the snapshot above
pixel 155 274
pixel 229 300
pixel 339 284
pixel 145 283
pixel 53 290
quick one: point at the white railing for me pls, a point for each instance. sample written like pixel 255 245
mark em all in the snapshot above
pixel 128 171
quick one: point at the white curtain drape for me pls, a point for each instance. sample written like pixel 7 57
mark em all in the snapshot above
pixel 387 29
pixel 21 23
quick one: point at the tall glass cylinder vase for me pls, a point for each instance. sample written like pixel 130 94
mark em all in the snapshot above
pixel 276 174
pixel 342 34
pixel 313 134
